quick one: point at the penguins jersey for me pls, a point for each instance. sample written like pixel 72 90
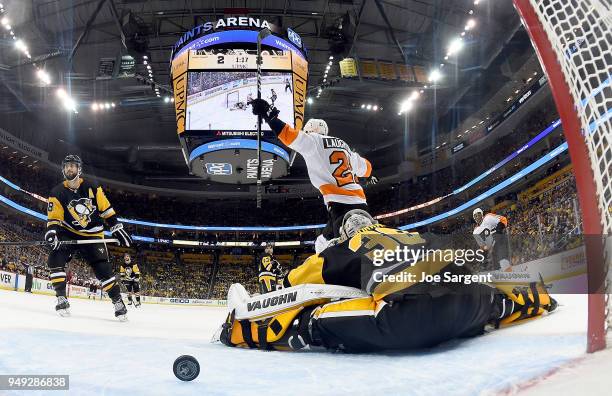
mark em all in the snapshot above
pixel 333 167
pixel 81 212
pixel 269 266
pixel 351 263
pixel 491 224
pixel 129 272
pixel 269 272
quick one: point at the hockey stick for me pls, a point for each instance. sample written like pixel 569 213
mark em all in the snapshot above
pixel 292 158
pixel 262 35
pixel 75 242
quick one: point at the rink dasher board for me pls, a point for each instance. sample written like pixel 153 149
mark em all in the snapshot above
pixel 565 272
pixel 16 282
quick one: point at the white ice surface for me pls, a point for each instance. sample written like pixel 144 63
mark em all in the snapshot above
pixel 212 114
pixel 104 356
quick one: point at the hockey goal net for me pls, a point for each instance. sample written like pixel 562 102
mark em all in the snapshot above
pixel 231 98
pixel 573 40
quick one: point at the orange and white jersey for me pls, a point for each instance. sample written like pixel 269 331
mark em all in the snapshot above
pixel 490 224
pixel 333 167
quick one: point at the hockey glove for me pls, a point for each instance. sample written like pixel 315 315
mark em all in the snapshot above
pixel 263 109
pixel 372 180
pixel 118 232
pixel 52 239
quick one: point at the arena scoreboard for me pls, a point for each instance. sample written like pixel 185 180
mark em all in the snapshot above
pixel 214 80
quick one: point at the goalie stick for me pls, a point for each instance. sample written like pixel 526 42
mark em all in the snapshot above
pixel 74 242
pixel 262 35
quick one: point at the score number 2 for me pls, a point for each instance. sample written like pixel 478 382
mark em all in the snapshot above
pixel 343 172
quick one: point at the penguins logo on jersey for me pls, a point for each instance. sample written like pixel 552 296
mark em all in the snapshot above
pixel 81 210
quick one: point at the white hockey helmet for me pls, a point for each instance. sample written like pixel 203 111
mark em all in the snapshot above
pixel 477 211
pixel 315 125
pixel 354 220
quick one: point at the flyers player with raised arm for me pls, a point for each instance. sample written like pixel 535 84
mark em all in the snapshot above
pixel 78 209
pixel 334 169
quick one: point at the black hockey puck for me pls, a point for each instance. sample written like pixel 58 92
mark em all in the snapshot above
pixel 186 368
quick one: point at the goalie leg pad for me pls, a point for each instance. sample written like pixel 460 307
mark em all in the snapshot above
pixel 518 304
pixel 286 331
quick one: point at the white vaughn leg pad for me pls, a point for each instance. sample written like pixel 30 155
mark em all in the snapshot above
pixel 274 303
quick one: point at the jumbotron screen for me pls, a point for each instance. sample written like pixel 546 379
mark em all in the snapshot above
pixel 222 82
pixel 221 100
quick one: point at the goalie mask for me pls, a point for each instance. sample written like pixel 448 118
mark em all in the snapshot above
pixel 354 220
pixel 316 126
pixel 72 159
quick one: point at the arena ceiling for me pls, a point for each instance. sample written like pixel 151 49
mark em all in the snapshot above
pixel 138 136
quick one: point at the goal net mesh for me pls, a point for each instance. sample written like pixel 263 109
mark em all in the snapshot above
pixel 231 99
pixel 580 34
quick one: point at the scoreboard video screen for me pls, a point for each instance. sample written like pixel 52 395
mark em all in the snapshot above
pixel 214 82
pixel 221 100
pixel 222 83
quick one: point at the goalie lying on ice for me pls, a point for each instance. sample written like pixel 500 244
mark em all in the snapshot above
pixel 355 314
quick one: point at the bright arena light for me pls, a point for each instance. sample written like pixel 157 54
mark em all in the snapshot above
pixel 94 106
pixel 455 46
pixel 166 99
pixel 20 45
pixel 43 76
pixel 4 21
pixel 435 75
pixel 470 24
pixel 309 100
pixel 69 103
pixel 414 95
pixel 406 106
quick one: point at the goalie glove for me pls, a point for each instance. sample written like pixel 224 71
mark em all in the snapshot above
pixel 52 239
pixel 118 232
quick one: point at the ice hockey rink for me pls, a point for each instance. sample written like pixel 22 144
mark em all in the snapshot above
pixel 200 116
pixel 104 356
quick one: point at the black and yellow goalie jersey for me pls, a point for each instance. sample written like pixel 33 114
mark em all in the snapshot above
pixel 129 272
pixel 359 262
pixel 269 272
pixel 82 211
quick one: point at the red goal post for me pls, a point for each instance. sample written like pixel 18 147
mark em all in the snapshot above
pixel 573 41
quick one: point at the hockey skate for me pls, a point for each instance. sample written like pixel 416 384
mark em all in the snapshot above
pixel 137 304
pixel 120 310
pixel 63 306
